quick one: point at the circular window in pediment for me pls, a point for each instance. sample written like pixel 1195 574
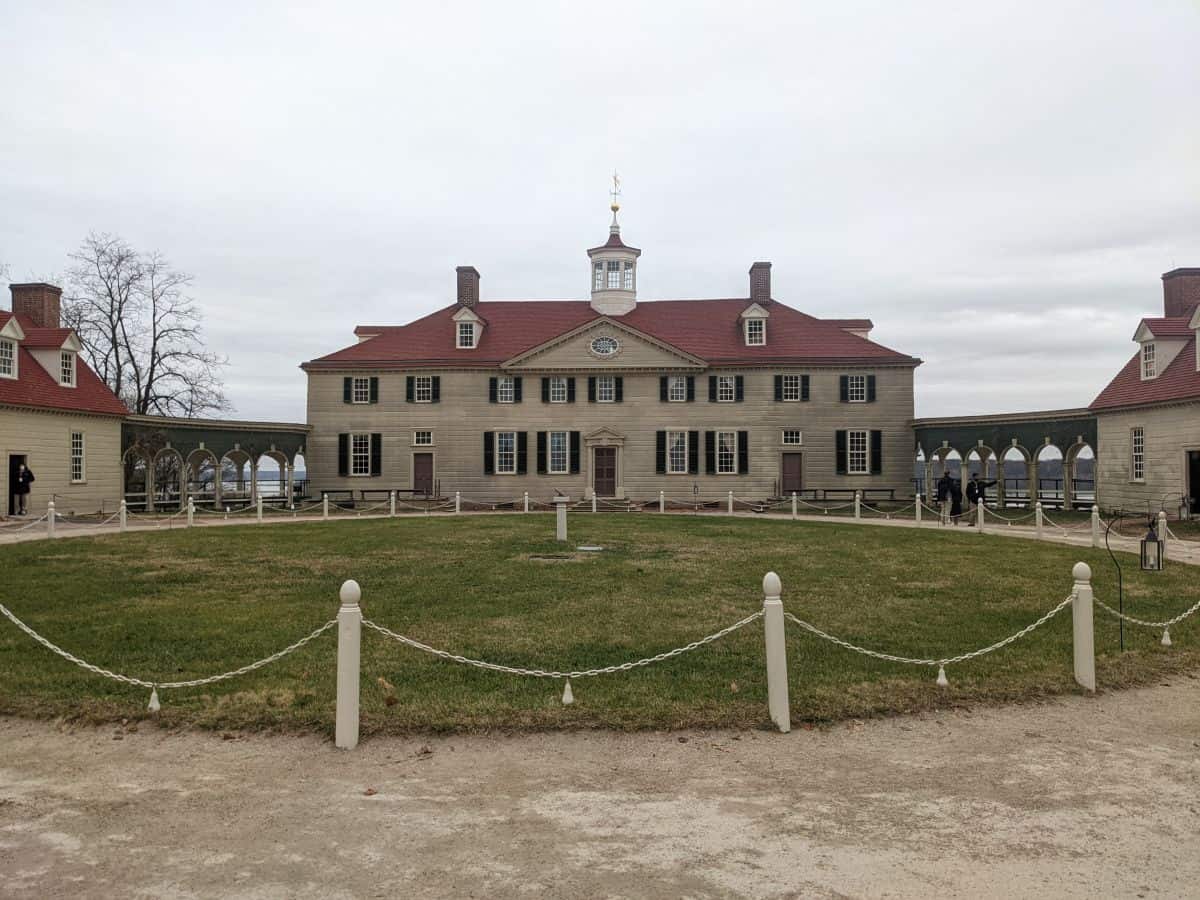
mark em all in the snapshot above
pixel 605 346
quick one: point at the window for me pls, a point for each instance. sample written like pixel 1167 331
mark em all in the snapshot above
pixel 360 454
pixel 558 390
pixel 8 359
pixel 598 277
pixel 726 389
pixel 606 389
pixel 505 390
pixel 506 452
pixel 423 438
pixel 628 276
pixel 67 366
pixel 423 389
pixel 558 452
pixel 1148 367
pixel 677 389
pixel 77 473
pixel 1137 455
pixel 361 392
pixel 677 452
pixel 756 332
pixel 857 388
pixel 726 452
pixel 605 346
pixel 858 460
pixel 791 387
pixel 466 335
pixel 614 274
pixel 792 437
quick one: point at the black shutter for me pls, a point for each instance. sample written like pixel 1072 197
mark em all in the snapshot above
pixel 841 449
pixel 376 454
pixel 778 388
pixel 574 452
pixel 522 452
pixel 803 387
pixel 693 452
pixel 743 452
pixel 710 452
pixel 570 390
pixel 691 395
pixel 491 390
pixel 545 391
pixel 489 453
pixel 541 449
pixel 870 388
pixel 618 389
pixel 739 389
pixel 435 389
pixel 409 388
pixel 517 389
pixel 712 388
pixel 591 389
pixel 663 396
pixel 876 452
pixel 343 454
pixel 347 390
pixel 374 389
pixel 660 452
pixel 845 388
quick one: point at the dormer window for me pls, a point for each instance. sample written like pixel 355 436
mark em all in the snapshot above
pixel 67 369
pixel 1149 370
pixel 466 335
pixel 8 358
pixel 756 332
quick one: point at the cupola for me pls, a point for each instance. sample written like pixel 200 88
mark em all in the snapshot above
pixel 614 268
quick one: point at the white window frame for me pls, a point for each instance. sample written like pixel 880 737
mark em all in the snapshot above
pixel 862 454
pixel 1137 453
pixel 81 458
pixel 752 332
pixel 726 385
pixel 66 367
pixel 792 385
pixel 417 439
pixel 598 276
pixel 677 389
pixel 628 282
pixel 1149 363
pixel 506 389
pixel 564 467
pixel 680 466
pixel 606 384
pixel 798 442
pixel 466 336
pixel 511 469
pixel 733 453
pixel 856 388
pixel 613 281
pixel 360 458
pixel 11 358
pixel 423 389
pixel 360 387
pixel 558 389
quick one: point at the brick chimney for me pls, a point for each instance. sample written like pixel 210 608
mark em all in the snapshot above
pixel 1181 292
pixel 40 302
pixel 760 283
pixel 468 286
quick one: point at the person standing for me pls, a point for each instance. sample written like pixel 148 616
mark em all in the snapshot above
pixel 21 489
pixel 956 498
pixel 944 489
pixel 977 490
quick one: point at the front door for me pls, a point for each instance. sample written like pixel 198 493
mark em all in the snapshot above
pixel 1194 482
pixel 791 473
pixel 604 469
pixel 14 463
pixel 423 473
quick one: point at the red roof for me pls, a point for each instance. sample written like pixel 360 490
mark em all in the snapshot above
pixel 1173 327
pixel 853 324
pixel 1179 381
pixel 34 386
pixel 708 329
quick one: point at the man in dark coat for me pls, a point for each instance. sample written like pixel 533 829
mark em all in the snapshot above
pixel 945 487
pixel 955 501
pixel 21 489
pixel 977 490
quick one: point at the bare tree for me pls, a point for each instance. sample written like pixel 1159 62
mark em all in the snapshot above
pixel 140 330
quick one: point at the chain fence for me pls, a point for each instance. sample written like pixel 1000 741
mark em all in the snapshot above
pixel 1165 625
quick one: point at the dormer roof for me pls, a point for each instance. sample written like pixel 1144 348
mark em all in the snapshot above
pixel 755 311
pixel 1177 327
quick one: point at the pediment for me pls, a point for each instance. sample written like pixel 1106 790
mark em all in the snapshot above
pixel 12 330
pixel 573 351
pixel 605 437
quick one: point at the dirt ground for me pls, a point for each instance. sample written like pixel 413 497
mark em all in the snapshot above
pixel 1078 797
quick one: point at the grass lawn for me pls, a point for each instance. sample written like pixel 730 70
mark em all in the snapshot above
pixel 188 603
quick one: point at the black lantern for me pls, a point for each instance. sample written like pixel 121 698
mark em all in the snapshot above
pixel 1153 551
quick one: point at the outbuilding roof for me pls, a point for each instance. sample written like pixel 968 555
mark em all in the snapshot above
pixel 1179 381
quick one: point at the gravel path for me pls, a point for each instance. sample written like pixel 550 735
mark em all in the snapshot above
pixel 1078 797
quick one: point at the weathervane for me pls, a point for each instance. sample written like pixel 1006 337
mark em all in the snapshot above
pixel 616 191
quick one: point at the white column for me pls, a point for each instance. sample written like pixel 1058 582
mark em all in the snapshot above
pixel 858 504
pixel 1037 515
pixel 348 674
pixel 593 501
pixel 1162 531
pixel 325 507
pixel 1095 526
pixel 776 648
pixel 918 509
pixel 526 509
pixel 560 518
pixel 457 502
pixel 124 519
pixel 731 503
pixel 50 517
pixel 391 503
pixel 793 504
pixel 258 508
pixel 662 501
pixel 191 512
pixel 1084 636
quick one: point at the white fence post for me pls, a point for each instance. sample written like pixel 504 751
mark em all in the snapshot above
pixel 773 631
pixel 1095 525
pixel 979 516
pixel 560 518
pixel 918 512
pixel 793 504
pixel 392 503
pixel 325 506
pixel 662 501
pixel 50 516
pixel 527 501
pixel 858 504
pixel 1037 515
pixel 457 502
pixel 731 503
pixel 1162 530
pixel 191 512
pixel 1084 636
pixel 348 653
pixel 124 519
pixel 593 502
pixel 258 511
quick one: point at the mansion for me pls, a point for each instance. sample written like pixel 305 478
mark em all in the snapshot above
pixel 613 397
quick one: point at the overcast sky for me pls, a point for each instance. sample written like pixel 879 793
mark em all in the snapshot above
pixel 998 186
